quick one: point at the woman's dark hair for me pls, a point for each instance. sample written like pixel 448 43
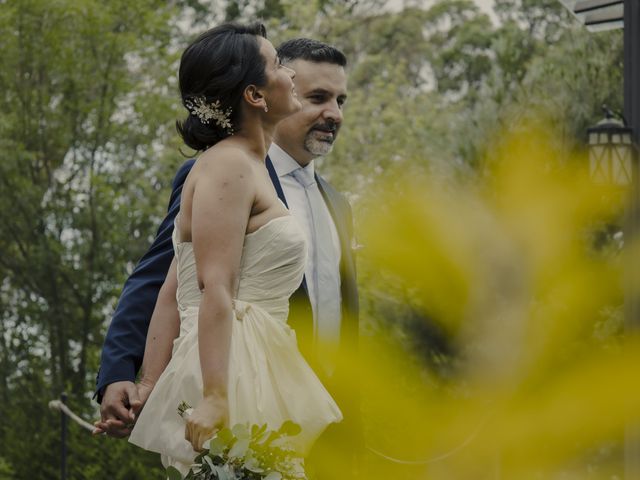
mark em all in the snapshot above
pixel 218 66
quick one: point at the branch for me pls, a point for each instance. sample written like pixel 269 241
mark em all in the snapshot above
pixel 58 405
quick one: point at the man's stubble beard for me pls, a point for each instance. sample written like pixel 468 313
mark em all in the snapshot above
pixel 317 148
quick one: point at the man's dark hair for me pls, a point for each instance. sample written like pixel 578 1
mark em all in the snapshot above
pixel 310 50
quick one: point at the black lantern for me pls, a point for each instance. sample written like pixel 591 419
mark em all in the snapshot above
pixel 610 152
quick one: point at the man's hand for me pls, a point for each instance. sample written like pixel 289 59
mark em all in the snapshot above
pixel 121 404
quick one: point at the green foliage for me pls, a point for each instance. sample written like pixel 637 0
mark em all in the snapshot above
pixel 85 102
pixel 248 453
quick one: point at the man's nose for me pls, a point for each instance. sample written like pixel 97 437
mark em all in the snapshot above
pixel 333 112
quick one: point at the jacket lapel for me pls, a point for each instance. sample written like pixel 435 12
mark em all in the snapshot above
pixel 335 209
pixel 349 289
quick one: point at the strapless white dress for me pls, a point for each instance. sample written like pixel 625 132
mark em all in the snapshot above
pixel 269 380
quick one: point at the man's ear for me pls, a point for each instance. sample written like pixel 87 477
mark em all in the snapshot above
pixel 254 97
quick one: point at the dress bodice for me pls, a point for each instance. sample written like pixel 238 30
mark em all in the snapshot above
pixel 271 269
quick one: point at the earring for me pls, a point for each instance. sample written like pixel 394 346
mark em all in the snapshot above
pixel 266 109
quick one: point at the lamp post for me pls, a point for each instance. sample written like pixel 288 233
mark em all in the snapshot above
pixel 605 15
pixel 63 439
pixel 610 166
pixel 632 277
pixel 610 152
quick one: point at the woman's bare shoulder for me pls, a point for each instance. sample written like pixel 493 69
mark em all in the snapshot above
pixel 226 160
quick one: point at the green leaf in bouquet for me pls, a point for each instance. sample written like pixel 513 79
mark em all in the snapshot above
pixel 263 438
pixel 226 436
pixel 250 452
pixel 239 448
pixel 296 467
pixel 196 472
pixel 257 430
pixel 240 430
pixel 252 464
pixel 207 460
pixel 270 436
pixel 217 446
pixel 283 443
pixel 289 428
pixel 199 456
pixel 173 473
pixel 273 476
pixel 223 472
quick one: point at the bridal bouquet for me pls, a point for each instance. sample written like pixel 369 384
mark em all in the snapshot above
pixel 247 453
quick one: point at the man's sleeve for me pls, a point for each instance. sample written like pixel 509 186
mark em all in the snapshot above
pixel 124 344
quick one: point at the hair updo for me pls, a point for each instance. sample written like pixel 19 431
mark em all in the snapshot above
pixel 218 66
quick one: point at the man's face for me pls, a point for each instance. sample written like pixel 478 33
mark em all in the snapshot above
pixel 322 90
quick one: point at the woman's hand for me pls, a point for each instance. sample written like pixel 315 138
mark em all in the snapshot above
pixel 145 387
pixel 208 417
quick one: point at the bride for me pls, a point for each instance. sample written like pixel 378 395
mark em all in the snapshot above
pixel 239 255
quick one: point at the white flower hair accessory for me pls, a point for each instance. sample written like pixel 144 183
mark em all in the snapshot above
pixel 206 112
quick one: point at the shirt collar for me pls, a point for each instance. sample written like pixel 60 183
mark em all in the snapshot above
pixel 284 163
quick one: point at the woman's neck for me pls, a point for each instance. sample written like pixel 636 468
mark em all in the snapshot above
pixel 256 137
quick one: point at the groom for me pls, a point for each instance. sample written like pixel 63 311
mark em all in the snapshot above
pixel 324 309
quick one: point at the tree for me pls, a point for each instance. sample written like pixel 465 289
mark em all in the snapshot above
pixel 86 102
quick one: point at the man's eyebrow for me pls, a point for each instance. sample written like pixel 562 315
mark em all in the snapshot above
pixel 318 90
pixel 324 91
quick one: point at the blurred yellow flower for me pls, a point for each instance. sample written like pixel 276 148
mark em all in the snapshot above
pixel 507 268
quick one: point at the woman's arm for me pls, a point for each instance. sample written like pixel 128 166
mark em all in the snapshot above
pixel 224 193
pixel 124 343
pixel 163 329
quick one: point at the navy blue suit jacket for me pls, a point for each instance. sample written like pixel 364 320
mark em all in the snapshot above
pixel 124 344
